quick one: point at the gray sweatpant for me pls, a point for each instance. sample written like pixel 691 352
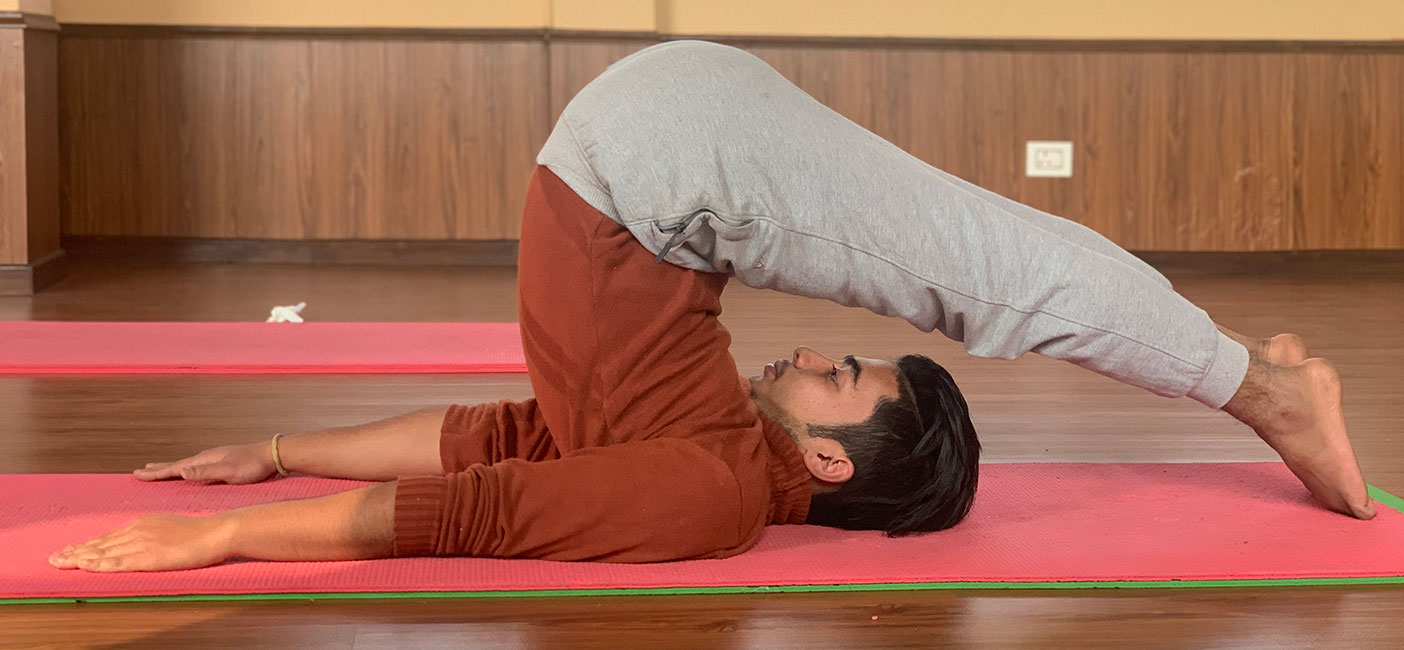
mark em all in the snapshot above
pixel 715 162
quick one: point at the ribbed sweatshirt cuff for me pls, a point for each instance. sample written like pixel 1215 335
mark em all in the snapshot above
pixel 1225 374
pixel 563 155
pixel 419 508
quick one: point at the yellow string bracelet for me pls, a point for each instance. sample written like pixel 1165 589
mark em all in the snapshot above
pixel 278 462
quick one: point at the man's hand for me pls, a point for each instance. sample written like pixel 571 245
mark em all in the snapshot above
pixel 354 525
pixel 152 543
pixel 235 465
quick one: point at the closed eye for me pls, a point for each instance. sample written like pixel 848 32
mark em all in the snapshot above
pixel 857 368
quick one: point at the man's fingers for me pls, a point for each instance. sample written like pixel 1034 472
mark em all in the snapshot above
pixel 99 547
pixel 111 563
pixel 115 538
pixel 216 471
pixel 115 558
pixel 165 470
pixel 94 548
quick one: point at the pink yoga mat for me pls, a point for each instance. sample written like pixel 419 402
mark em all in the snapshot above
pixel 1032 523
pixel 121 347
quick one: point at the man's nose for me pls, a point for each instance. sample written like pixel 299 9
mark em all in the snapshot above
pixel 807 357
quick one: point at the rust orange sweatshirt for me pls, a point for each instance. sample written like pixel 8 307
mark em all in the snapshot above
pixel 642 443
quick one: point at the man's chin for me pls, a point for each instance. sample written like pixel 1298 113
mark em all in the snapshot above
pixel 758 385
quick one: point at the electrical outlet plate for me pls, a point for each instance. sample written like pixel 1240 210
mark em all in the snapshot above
pixel 1049 159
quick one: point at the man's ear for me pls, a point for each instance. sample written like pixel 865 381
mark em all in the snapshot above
pixel 827 461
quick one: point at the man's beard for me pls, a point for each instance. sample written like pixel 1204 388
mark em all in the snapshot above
pixel 769 409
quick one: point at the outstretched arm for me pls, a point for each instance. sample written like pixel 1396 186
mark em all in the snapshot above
pixel 644 501
pixel 427 442
pixel 404 445
pixel 354 525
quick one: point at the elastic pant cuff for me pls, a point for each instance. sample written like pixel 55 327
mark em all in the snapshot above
pixel 1224 375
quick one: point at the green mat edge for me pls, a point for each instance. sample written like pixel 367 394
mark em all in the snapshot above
pixel 1383 497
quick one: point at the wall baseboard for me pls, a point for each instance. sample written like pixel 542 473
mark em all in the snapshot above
pixel 1387 262
pixel 30 279
pixel 268 251
pixel 504 253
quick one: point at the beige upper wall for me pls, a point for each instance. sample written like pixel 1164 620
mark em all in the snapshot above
pixel 28 6
pixel 606 15
pixel 1059 19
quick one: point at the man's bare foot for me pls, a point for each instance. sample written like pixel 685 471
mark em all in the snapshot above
pixel 1296 409
pixel 1283 349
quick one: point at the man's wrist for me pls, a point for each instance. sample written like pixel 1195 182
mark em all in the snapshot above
pixel 274 455
pixel 224 530
pixel 354 525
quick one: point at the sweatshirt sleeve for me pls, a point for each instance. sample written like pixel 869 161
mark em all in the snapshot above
pixel 645 501
pixel 492 432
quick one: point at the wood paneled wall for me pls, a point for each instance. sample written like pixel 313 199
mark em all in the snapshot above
pixel 1184 151
pixel 29 181
pixel 41 142
pixel 297 138
pixel 14 208
pixel 576 62
pixel 355 137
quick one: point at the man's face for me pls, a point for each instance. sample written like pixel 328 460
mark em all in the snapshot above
pixel 810 388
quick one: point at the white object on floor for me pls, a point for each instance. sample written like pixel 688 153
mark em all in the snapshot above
pixel 288 314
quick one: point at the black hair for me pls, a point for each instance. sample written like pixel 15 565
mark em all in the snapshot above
pixel 915 459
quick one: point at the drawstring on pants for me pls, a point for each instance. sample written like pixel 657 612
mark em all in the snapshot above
pixel 680 233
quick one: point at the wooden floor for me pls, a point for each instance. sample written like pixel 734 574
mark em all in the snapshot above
pixel 1033 409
